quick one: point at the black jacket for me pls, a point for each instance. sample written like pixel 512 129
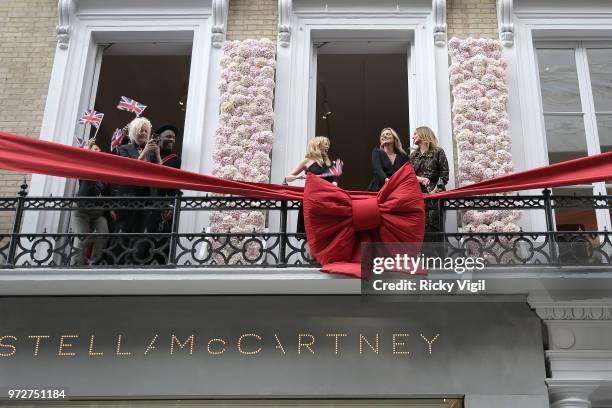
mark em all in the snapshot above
pixel 382 168
pixel 130 150
pixel 88 188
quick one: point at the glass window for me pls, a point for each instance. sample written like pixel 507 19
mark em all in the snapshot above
pixel 559 80
pixel 604 129
pixel 600 69
pixel 567 104
pixel 572 218
pixel 565 137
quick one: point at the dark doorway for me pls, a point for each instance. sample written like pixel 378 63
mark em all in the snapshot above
pixel 357 96
pixel 154 74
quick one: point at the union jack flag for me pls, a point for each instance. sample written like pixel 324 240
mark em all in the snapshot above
pixel 335 170
pixel 130 105
pixel 116 139
pixel 80 142
pixel 92 118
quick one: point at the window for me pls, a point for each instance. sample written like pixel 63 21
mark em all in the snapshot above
pixel 155 74
pixel 576 91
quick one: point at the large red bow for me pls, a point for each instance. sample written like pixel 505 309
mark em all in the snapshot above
pixel 337 223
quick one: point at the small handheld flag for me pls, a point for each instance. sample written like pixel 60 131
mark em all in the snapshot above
pixel 91 117
pixel 79 142
pixel 116 139
pixel 335 170
pixel 130 105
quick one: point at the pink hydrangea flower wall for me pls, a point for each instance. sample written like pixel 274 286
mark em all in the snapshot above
pixel 480 123
pixel 244 136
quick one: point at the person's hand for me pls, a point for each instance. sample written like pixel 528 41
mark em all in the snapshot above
pixel 423 180
pixel 151 146
pixel 335 183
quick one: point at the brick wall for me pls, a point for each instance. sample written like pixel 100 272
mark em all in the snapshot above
pixel 27 47
pixel 252 19
pixel 472 18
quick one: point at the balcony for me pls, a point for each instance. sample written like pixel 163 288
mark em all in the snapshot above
pixel 276 253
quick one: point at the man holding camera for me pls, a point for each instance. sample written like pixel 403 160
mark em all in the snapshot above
pixel 160 221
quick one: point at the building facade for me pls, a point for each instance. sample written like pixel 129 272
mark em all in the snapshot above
pixel 236 335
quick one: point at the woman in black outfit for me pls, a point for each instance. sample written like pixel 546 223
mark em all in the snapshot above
pixel 387 159
pixel 316 162
pixel 141 147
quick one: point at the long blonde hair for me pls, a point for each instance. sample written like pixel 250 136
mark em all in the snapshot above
pixel 313 150
pixel 428 136
pixel 397 143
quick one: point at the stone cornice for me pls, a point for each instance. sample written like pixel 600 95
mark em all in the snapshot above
pixel 596 310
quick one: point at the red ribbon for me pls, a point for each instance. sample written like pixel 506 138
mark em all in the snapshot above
pixel 396 217
pixel 337 223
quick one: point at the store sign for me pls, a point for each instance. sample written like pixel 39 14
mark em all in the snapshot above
pixel 246 344
pixel 264 345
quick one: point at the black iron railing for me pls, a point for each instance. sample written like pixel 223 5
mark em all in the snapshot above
pixel 277 246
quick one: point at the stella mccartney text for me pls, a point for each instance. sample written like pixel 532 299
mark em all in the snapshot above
pixel 247 344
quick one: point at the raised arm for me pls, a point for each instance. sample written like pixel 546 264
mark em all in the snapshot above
pixel 295 173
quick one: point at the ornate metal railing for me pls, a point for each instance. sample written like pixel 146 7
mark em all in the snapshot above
pixel 277 246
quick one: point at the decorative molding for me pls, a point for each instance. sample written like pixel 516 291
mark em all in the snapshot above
pixel 573 311
pixel 439 16
pixel 571 393
pixel 63 28
pixel 220 10
pixel 579 356
pixel 504 21
pixel 284 22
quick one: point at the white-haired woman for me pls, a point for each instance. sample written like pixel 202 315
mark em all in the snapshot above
pixel 141 147
pixel 387 158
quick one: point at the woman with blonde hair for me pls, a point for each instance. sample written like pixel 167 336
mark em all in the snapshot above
pixel 431 168
pixel 429 161
pixel 317 162
pixel 387 158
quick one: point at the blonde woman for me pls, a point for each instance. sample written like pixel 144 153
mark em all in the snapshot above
pixel 387 158
pixel 429 161
pixel 316 162
pixel 431 168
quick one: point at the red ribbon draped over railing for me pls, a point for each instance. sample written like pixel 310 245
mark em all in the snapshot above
pixel 28 155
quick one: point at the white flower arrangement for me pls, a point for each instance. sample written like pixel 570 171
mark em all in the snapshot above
pixel 244 136
pixel 478 80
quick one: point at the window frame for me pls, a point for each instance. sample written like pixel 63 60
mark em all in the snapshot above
pixel 70 87
pixel 588 111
